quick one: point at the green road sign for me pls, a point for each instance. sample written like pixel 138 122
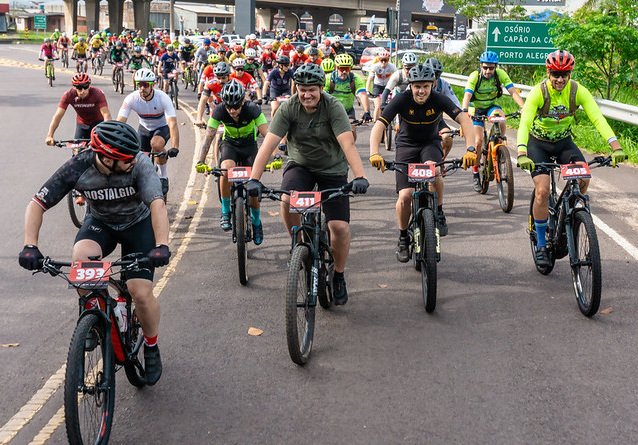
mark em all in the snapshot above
pixel 519 42
pixel 40 22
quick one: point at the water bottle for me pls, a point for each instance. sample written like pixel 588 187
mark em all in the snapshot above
pixel 119 312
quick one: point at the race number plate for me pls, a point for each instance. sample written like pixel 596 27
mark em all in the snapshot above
pixel 239 174
pixel 281 99
pixel 575 171
pixel 497 118
pixel 305 202
pixel 89 274
pixel 76 145
pixel 421 172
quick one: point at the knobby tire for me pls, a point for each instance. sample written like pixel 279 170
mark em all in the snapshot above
pixel 134 369
pixel 239 225
pixel 505 186
pixel 428 259
pixel 586 272
pixel 77 211
pixel 300 312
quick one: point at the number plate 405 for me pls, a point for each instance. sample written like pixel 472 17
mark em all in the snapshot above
pixel 575 171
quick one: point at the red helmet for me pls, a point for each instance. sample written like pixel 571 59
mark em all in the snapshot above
pixel 560 61
pixel 80 79
pixel 268 46
pixel 115 140
pixel 238 48
pixel 220 41
pixel 384 54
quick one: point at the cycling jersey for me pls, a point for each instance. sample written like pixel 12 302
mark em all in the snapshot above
pixel 236 55
pixel 398 79
pixel 117 55
pixel 208 75
pixel 213 88
pixel 152 113
pixel 243 132
pixel 298 60
pixel 203 53
pixel 137 62
pixel 246 80
pixel 119 200
pixel 342 88
pixel 186 52
pixel 252 68
pixel 556 127
pixel 382 74
pixel 169 62
pixel 316 62
pixel 47 50
pixel 285 50
pixel 268 59
pixel 64 41
pixel 487 92
pixel 443 87
pixel 96 43
pixel 87 109
pixel 279 84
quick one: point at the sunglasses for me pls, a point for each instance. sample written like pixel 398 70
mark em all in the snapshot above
pixel 233 107
pixel 488 68
pixel 128 161
pixel 383 60
pixel 82 87
pixel 561 74
pixel 239 69
pixel 144 84
pixel 344 69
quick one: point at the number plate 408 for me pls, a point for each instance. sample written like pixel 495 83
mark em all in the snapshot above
pixel 421 172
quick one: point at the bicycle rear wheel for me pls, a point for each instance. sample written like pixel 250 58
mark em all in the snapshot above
pixel 484 173
pixel 65 59
pixel 531 228
pixel 89 397
pixel 174 94
pixel 100 66
pixel 505 186
pixel 77 207
pixel 428 260
pixel 121 81
pixel 134 369
pixel 300 310
pixel 239 226
pixel 586 270
pixel 116 82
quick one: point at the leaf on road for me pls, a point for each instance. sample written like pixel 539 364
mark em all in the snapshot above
pixel 552 297
pixel 183 123
pixel 382 286
pixel 188 217
pixel 607 311
pixel 255 331
pixel 10 345
pixel 273 213
pixel 192 203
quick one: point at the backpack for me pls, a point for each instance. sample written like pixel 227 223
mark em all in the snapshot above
pixel 544 112
pixel 497 83
pixel 331 88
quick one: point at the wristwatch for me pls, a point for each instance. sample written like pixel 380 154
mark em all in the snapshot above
pixel 471 149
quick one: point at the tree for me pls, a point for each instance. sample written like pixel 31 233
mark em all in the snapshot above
pixel 480 10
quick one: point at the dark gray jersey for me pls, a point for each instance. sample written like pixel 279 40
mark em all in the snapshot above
pixel 120 200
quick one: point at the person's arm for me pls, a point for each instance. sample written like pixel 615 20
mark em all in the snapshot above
pixel 159 220
pixel 585 99
pixel 517 97
pixel 265 88
pixel 106 114
pixel 467 97
pixel 263 129
pixel 55 122
pixel 32 222
pixel 532 104
pixel 346 141
pixel 174 132
pixel 201 107
pixel 365 103
pixel 467 126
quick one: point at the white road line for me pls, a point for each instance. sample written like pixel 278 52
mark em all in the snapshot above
pixel 616 237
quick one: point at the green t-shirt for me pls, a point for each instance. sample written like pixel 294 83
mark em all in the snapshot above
pixel 485 96
pixel 342 89
pixel 555 127
pixel 312 138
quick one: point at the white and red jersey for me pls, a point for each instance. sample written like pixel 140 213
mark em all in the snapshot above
pixel 207 74
pixel 286 50
pixel 213 89
pixel 246 80
pixel 253 44
pixel 298 59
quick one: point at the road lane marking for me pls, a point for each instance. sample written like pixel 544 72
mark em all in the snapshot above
pixel 617 237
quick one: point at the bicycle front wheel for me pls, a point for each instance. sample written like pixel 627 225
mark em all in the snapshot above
pixel 101 66
pixel 77 207
pixel 89 396
pixel 50 74
pixel 300 310
pixel 428 260
pixel 505 185
pixel 121 81
pixel 586 269
pixel 174 94
pixel 239 225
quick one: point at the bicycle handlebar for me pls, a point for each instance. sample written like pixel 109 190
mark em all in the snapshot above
pixel 64 143
pixel 132 261
pixel 598 161
pixel 452 133
pixel 337 192
pixel 453 164
pixel 484 117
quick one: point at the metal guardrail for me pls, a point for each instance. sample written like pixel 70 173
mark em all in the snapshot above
pixel 613 110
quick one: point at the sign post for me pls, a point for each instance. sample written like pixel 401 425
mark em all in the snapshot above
pixel 519 42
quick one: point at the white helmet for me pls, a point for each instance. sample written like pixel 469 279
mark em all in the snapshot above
pixel 144 75
pixel 239 62
pixel 336 38
pixel 250 53
pixel 409 58
pixel 252 37
pixel 57 30
pixel 63 34
pixel 247 37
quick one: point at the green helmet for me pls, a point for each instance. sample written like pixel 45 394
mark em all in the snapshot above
pixel 344 60
pixel 309 74
pixel 328 65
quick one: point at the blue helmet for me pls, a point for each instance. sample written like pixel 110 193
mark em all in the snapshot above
pixel 206 41
pixel 489 57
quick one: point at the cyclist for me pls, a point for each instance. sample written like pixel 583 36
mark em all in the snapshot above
pixel 75 38
pixel 314 44
pixel 79 52
pixel 158 122
pixel 125 207
pixel 96 45
pixel 418 141
pixel 337 46
pixel 247 81
pixel 328 66
pixel 48 52
pixel 298 58
pixel 221 46
pixel 186 53
pixel 380 73
pixel 88 102
pixel 55 36
pixel 276 44
pixel 238 53
pixel 267 58
pixel 545 131
pixel 344 85
pixel 167 64
pixel 279 82
pixel 399 79
pixel 253 43
pixel 313 56
pixel 442 86
pixel 321 146
pixel 117 55
pixel 221 55
pixel 287 49
pixel 482 90
pixel 201 60
pixel 137 61
pixel 327 50
pixel 253 67
pixel 242 121
pixel 63 43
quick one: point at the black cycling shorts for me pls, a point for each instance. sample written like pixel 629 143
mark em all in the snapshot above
pixel 417 155
pixel 377 90
pixel 147 135
pixel 543 151
pixel 243 156
pixel 83 131
pixel 299 178
pixel 138 238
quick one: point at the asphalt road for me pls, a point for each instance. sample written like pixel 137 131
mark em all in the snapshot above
pixel 506 358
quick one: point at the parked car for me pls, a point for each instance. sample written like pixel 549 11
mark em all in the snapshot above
pixel 357 48
pixel 232 39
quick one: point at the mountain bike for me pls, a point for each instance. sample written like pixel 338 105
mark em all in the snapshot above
pixel 423 230
pixel 107 337
pixel 64 57
pixel 118 77
pixel 81 64
pixel 496 163
pixel 571 231
pixel 98 63
pixel 77 204
pixel 189 76
pixel 49 71
pixel 173 89
pixel 311 267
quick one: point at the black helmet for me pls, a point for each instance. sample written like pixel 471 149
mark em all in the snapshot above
pixel 233 93
pixel 115 140
pixel 313 51
pixel 221 69
pixel 437 66
pixel 421 73
pixel 284 60
pixel 309 74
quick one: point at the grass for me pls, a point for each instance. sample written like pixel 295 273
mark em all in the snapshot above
pixel 19 36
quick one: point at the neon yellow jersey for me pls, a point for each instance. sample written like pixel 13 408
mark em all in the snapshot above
pixel 80 48
pixel 96 43
pixel 555 128
pixel 486 95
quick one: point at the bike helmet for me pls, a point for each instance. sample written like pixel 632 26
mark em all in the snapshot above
pixel 283 60
pixel 221 41
pixel 326 42
pixel 206 41
pixel 162 45
pixel 118 43
pixel 238 48
pixel 328 65
pixel 299 49
pixel 344 60
pixel 80 79
pixel 115 140
pixel 251 53
pixel 239 63
pixel 286 41
pixel 252 37
pixel 268 46
pixel 309 74
pixel 63 34
pixel 170 48
pixel 221 49
pixel 436 64
pixel 144 75
pixel 81 39
pixel 187 41
pixel 336 38
pixel 409 59
pixel 383 55
pixel 489 57
pixel 47 40
pixel 312 51
pixel 212 58
pixel 560 61
pixel 221 69
pixel 233 93
pixel 314 43
pixel 421 73
pixel 137 49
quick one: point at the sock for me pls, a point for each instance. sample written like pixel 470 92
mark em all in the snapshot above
pixel 338 274
pixel 150 341
pixel 225 205
pixel 255 213
pixel 403 233
pixel 162 171
pixel 475 169
pixel 440 208
pixel 541 228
